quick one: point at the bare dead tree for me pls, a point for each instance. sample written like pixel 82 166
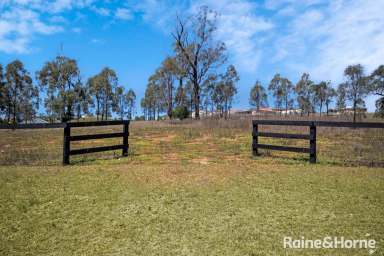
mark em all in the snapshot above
pixel 194 42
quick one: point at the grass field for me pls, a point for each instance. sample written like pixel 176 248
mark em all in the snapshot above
pixel 188 189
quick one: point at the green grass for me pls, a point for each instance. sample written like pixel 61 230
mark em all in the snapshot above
pixel 185 191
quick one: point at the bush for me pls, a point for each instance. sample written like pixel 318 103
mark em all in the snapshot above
pixel 180 112
pixel 380 108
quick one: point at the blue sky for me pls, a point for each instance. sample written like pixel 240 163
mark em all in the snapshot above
pixel 263 37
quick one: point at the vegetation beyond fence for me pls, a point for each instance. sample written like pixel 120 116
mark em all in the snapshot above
pixel 311 136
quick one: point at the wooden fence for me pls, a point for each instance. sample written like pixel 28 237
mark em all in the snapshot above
pixel 67 152
pixel 311 137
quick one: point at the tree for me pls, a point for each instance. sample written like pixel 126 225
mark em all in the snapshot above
pixel 22 98
pixel 230 78
pixel 282 90
pixel 82 99
pixel 304 91
pixel 181 96
pixel 377 87
pixel 207 93
pixel 276 88
pixel 165 76
pixel 330 94
pixel 341 97
pixel 320 94
pixel 59 78
pixel 225 90
pixel 119 105
pixel 130 100
pixel 195 45
pixel 95 89
pixel 377 81
pixel 258 96
pixel 108 80
pixel 356 87
pixel 180 72
pixel 153 102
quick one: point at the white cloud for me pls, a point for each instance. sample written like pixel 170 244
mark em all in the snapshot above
pixel 101 11
pixel 123 14
pixel 324 41
pixel 17 27
pixel 22 20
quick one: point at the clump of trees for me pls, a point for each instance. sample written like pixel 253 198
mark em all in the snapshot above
pixel 197 69
pixel 313 97
pixel 19 97
pixel 66 97
pixel 377 86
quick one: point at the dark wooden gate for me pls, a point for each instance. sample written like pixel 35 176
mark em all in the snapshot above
pixel 311 137
pixel 67 152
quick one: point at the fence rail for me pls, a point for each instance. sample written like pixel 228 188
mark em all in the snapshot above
pixel 311 137
pixel 67 152
pixel 31 126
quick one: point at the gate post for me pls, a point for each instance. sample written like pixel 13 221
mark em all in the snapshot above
pixel 312 143
pixel 255 139
pixel 66 143
pixel 125 138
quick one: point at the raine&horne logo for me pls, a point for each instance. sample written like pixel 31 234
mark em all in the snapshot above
pixel 330 243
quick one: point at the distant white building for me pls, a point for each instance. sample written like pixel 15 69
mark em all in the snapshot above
pixel 37 120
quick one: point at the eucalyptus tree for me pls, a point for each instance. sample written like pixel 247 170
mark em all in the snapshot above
pixel 154 99
pixel 124 102
pixel 181 96
pixel 95 90
pixel 82 99
pixel 258 96
pixel 59 78
pixel 119 105
pixel 230 78
pixel 282 90
pixel 195 44
pixel 207 93
pixel 356 87
pixel 277 92
pixel 320 94
pixel 130 100
pixel 377 87
pixel 166 75
pixel 225 90
pixel 304 92
pixel 22 96
pixel 330 94
pixel 341 97
pixel 108 80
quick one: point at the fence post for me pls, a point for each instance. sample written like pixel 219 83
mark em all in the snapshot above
pixel 255 140
pixel 66 143
pixel 312 143
pixel 125 138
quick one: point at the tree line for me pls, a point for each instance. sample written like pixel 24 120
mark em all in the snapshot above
pixel 66 96
pixel 312 97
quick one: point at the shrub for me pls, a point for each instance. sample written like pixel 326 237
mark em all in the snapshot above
pixel 180 112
